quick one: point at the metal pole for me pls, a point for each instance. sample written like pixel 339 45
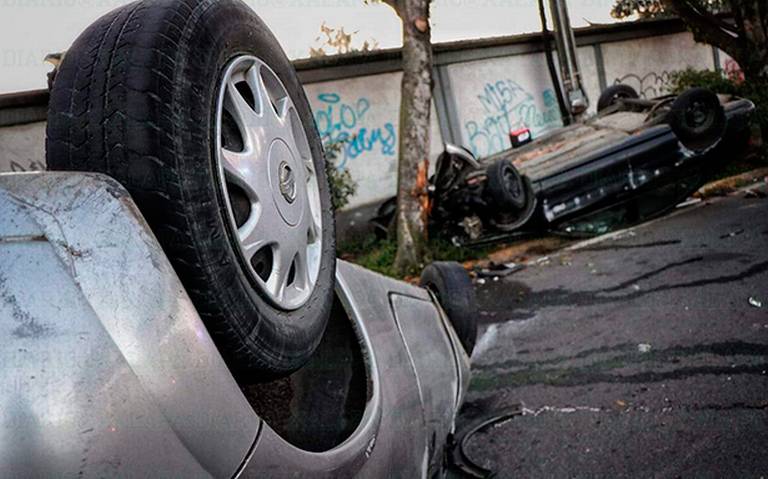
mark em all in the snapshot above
pixel 567 57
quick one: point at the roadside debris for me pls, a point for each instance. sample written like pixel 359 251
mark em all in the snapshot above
pixel 644 347
pixel 495 270
pixel 755 302
pixel 457 455
pixel 733 183
pixel 689 202
pixel 754 193
pixel 559 410
pixel 731 234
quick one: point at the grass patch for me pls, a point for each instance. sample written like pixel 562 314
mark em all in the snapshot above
pixel 379 254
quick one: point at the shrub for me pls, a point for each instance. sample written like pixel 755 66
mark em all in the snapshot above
pixel 713 80
pixel 341 184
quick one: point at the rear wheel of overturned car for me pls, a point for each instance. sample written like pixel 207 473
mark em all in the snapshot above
pixel 450 283
pixel 613 94
pixel 193 106
pixel 698 119
pixel 505 185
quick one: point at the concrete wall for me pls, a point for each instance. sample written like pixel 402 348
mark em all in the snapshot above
pixel 482 89
pixel 492 96
pixel 481 96
pixel 363 112
pixel 645 65
pixel 22 147
pixel 495 95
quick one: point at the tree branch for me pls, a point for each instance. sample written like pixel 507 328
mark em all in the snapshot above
pixel 395 5
pixel 707 28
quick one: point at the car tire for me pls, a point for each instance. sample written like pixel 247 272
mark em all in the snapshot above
pixel 698 119
pixel 613 94
pixel 450 283
pixel 383 224
pixel 157 94
pixel 506 186
pixel 514 220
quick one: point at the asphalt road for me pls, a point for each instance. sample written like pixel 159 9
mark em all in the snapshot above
pixel 638 355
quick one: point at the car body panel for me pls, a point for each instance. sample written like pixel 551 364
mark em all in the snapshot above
pixel 114 374
pixel 419 374
pixel 109 336
pixel 582 167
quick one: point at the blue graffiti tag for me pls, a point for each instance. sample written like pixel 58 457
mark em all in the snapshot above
pixel 338 121
pixel 507 105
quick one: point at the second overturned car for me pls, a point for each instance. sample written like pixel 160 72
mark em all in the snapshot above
pixel 634 160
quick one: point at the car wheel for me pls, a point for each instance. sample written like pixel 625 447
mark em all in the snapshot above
pixel 512 220
pixel 384 224
pixel 450 283
pixel 194 107
pixel 697 118
pixel 505 185
pixel 611 95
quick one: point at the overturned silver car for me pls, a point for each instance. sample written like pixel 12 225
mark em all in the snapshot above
pixel 109 371
pixel 170 300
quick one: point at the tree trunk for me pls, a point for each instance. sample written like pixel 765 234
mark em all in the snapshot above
pixel 415 103
pixel 758 86
pixel 751 20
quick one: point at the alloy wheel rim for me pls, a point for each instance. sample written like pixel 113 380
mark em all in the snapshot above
pixel 269 181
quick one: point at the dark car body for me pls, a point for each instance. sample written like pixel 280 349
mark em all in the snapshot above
pixel 615 158
pixel 628 163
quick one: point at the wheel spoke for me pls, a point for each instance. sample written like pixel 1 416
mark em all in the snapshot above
pixel 298 136
pixel 278 107
pixel 260 94
pixel 264 227
pixel 244 170
pixel 302 280
pixel 240 110
pixel 251 237
pixel 237 165
pixel 313 232
pixel 283 259
pixel 281 109
pixel 310 169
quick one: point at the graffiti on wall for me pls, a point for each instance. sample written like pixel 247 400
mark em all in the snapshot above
pixel 16 167
pixel 649 85
pixel 508 106
pixel 339 121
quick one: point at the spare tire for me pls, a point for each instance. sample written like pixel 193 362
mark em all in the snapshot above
pixel 611 95
pixel 698 119
pixel 450 283
pixel 193 106
pixel 505 186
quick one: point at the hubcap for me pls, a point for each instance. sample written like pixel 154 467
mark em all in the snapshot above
pixel 269 182
pixel 698 115
pixel 287 183
pixel 513 182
